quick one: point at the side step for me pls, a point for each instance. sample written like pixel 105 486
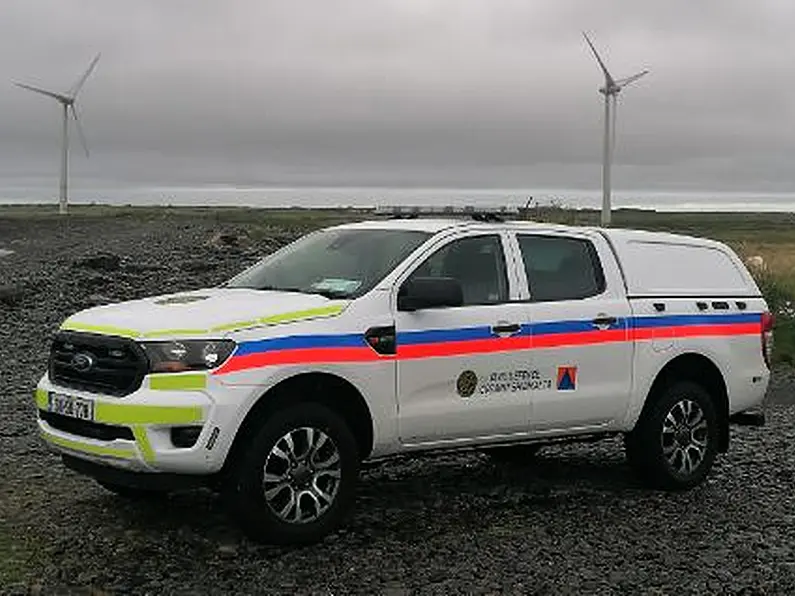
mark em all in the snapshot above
pixel 748 418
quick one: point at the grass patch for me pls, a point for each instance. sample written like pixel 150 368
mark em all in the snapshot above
pixel 779 292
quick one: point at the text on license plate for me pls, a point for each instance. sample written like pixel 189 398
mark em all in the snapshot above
pixel 69 405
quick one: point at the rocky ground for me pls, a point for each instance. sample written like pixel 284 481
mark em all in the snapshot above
pixel 575 522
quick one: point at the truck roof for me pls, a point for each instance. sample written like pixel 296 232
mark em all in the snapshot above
pixel 437 224
pixel 652 263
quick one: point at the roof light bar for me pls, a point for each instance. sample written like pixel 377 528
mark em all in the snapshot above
pixel 443 210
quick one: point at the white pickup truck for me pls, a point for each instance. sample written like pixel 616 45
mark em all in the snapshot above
pixel 367 340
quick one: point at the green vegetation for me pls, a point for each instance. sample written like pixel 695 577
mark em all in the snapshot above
pixel 779 292
pixel 770 236
pixel 250 217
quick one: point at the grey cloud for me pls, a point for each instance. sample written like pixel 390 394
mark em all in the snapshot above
pixel 453 92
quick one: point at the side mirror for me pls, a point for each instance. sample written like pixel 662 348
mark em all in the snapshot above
pixel 429 292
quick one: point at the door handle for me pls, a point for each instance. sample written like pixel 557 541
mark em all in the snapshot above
pixel 604 322
pixel 506 328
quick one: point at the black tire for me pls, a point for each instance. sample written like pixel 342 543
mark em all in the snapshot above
pixel 659 455
pixel 513 454
pixel 245 491
pixel 132 493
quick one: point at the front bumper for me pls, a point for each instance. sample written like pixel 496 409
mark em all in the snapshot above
pixel 144 421
pixel 163 481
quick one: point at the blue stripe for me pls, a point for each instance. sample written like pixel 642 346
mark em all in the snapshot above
pixel 298 342
pixel 432 336
pixel 685 320
pixel 581 326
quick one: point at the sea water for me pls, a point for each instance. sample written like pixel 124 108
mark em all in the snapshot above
pixel 378 196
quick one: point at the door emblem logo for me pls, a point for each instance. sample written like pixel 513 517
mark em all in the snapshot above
pixel 466 383
pixel 82 362
pixel 567 378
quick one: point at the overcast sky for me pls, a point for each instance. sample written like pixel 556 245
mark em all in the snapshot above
pixel 403 92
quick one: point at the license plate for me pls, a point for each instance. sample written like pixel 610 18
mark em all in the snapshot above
pixel 69 405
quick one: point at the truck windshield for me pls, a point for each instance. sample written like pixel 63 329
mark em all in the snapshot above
pixel 336 263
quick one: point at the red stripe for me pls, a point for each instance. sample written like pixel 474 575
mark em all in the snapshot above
pixel 302 356
pixel 458 348
pixel 650 333
pixel 481 346
pixel 584 338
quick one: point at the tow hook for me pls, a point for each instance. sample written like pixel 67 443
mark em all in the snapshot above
pixel 748 418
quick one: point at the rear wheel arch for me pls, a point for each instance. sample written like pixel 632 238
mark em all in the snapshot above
pixel 332 391
pixel 703 371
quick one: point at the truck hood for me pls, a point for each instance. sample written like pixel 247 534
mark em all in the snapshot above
pixel 210 312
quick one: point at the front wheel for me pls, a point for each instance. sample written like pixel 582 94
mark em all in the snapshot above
pixel 296 481
pixel 675 442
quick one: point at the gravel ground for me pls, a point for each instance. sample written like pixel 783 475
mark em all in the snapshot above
pixel 574 522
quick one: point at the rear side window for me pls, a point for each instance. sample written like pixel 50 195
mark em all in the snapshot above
pixel 560 268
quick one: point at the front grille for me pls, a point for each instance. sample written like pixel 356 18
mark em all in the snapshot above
pixel 117 368
pixel 84 428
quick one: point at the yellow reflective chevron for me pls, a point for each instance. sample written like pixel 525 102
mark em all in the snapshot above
pixel 88 447
pixel 121 413
pixel 144 446
pixel 101 329
pixel 131 414
pixel 134 416
pixel 128 414
pixel 288 317
pixel 237 325
pixel 178 381
pixel 311 313
pixel 174 332
pixel 41 399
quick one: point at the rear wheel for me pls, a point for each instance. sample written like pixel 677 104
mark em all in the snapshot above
pixel 675 442
pixel 296 481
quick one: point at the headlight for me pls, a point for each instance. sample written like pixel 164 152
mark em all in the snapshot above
pixel 185 355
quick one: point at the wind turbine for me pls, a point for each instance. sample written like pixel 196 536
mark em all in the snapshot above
pixel 610 90
pixel 67 101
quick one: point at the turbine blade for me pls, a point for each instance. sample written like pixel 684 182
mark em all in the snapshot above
pixel 53 94
pixel 626 81
pixel 79 84
pixel 79 130
pixel 608 76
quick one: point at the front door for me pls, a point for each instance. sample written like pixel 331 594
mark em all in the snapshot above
pixel 579 331
pixel 463 372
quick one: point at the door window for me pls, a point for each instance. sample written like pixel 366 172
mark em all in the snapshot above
pixel 477 263
pixel 560 268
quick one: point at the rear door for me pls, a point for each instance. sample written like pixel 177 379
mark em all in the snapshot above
pixel 579 319
pixel 463 372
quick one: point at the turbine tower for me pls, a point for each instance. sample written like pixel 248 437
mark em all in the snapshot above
pixel 67 101
pixel 610 91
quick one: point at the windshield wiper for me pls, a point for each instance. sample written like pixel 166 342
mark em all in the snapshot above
pixel 276 289
pixel 330 294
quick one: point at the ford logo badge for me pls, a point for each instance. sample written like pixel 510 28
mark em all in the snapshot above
pixel 82 362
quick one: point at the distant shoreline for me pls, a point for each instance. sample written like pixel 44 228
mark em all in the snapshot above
pixel 705 222
pixel 367 197
pixel 82 208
